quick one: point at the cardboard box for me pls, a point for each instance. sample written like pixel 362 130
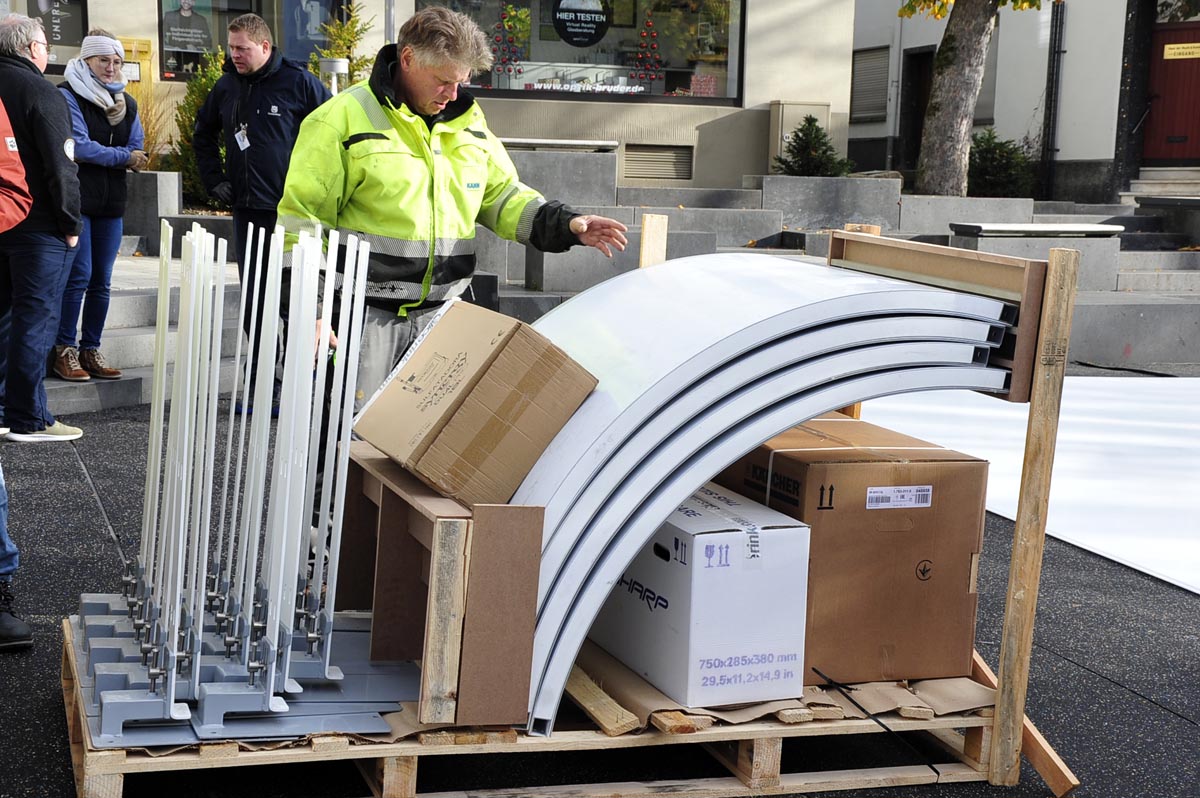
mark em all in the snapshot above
pixel 897 527
pixel 474 403
pixel 709 611
pixel 452 587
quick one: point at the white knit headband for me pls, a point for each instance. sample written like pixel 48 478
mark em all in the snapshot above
pixel 100 45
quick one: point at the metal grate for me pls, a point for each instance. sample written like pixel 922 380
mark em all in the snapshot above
pixel 659 162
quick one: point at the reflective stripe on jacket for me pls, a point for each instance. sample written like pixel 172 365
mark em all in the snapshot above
pixel 366 165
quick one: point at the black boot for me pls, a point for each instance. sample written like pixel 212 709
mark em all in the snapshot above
pixel 14 632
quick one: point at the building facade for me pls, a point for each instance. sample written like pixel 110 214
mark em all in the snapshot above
pixel 1095 89
pixel 692 92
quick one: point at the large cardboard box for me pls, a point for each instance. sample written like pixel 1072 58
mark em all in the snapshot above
pixel 474 403
pixel 897 527
pixel 710 611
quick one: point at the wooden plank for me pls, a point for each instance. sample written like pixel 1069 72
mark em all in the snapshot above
pixel 444 621
pixel 398 619
pixel 472 736
pixel 797 715
pixel 1029 536
pixel 654 239
pixel 1015 280
pixel 500 615
pixel 675 722
pixel 390 777
pixel 754 762
pixel 854 410
pixel 868 229
pixel 612 718
pixel 329 742
pixel 223 750
pixel 109 786
pixel 1044 759
pixel 920 713
pixel 356 564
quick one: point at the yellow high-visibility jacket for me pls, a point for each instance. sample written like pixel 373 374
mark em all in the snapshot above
pixel 364 163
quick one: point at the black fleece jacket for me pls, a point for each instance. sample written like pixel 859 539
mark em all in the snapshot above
pixel 42 127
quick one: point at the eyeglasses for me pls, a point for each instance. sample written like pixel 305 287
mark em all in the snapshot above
pixel 45 45
pixel 110 61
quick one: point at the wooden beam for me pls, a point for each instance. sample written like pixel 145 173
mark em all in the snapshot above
pixel 612 718
pixel 654 240
pixel 869 229
pixel 390 777
pixel 754 762
pixel 1058 777
pixel 1025 568
pixel 675 722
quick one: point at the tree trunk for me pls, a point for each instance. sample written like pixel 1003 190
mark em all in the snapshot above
pixel 957 76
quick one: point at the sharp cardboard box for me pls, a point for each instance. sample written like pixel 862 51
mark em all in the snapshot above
pixel 474 403
pixel 709 612
pixel 897 526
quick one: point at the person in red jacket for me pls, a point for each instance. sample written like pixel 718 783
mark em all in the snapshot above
pixel 15 202
pixel 15 199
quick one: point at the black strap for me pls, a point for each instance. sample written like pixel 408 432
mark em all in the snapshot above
pixel 846 689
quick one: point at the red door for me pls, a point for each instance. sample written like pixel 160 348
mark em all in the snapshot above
pixel 1172 134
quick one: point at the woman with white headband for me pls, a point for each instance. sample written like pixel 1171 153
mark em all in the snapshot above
pixel 108 140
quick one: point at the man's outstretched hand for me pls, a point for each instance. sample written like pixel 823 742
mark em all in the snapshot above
pixel 600 232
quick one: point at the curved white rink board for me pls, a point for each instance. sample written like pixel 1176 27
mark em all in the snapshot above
pixel 656 448
pixel 644 350
pixel 676 484
pixel 726 380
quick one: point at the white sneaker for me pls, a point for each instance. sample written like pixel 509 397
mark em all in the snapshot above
pixel 3 430
pixel 57 431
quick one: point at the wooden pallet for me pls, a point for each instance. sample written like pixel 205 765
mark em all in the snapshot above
pixel 751 751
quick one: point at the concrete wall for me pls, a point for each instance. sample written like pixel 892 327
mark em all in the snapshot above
pixel 922 213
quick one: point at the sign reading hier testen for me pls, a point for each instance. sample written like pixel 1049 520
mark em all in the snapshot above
pixel 581 23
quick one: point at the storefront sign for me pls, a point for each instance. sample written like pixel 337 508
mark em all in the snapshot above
pixel 1175 51
pixel 581 23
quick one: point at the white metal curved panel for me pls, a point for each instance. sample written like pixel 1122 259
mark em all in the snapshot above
pixel 723 382
pixel 655 349
pixel 563 642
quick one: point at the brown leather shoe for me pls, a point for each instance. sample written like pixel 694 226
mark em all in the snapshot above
pixel 94 363
pixel 66 364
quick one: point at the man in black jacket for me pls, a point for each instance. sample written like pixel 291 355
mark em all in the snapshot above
pixel 36 254
pixel 257 105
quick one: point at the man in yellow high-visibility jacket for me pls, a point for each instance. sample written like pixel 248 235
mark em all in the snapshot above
pixel 406 161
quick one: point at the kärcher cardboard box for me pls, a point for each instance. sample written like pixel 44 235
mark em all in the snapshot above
pixel 711 611
pixel 897 527
pixel 474 403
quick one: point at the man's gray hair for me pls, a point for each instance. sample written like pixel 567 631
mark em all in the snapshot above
pixel 439 36
pixel 17 32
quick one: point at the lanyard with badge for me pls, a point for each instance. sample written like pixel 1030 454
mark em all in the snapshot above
pixel 242 139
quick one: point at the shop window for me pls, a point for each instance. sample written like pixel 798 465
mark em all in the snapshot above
pixel 189 28
pixel 588 49
pixel 868 85
pixel 65 22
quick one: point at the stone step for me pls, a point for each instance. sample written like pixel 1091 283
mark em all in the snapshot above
pixel 1184 187
pixel 138 307
pixel 1135 329
pixel 1169 173
pixel 1072 218
pixel 133 347
pixel 1181 281
pixel 1159 261
pixel 135 387
pixel 1153 242
pixel 725 198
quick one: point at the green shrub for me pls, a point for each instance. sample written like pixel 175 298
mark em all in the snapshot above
pixel 810 153
pixel 344 38
pixel 182 155
pixel 999 167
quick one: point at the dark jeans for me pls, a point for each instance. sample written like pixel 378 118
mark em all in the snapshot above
pixel 262 221
pixel 33 274
pixel 89 281
pixel 10 558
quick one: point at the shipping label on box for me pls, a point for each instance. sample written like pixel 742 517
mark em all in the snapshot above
pixel 897 527
pixel 474 403
pixel 711 611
